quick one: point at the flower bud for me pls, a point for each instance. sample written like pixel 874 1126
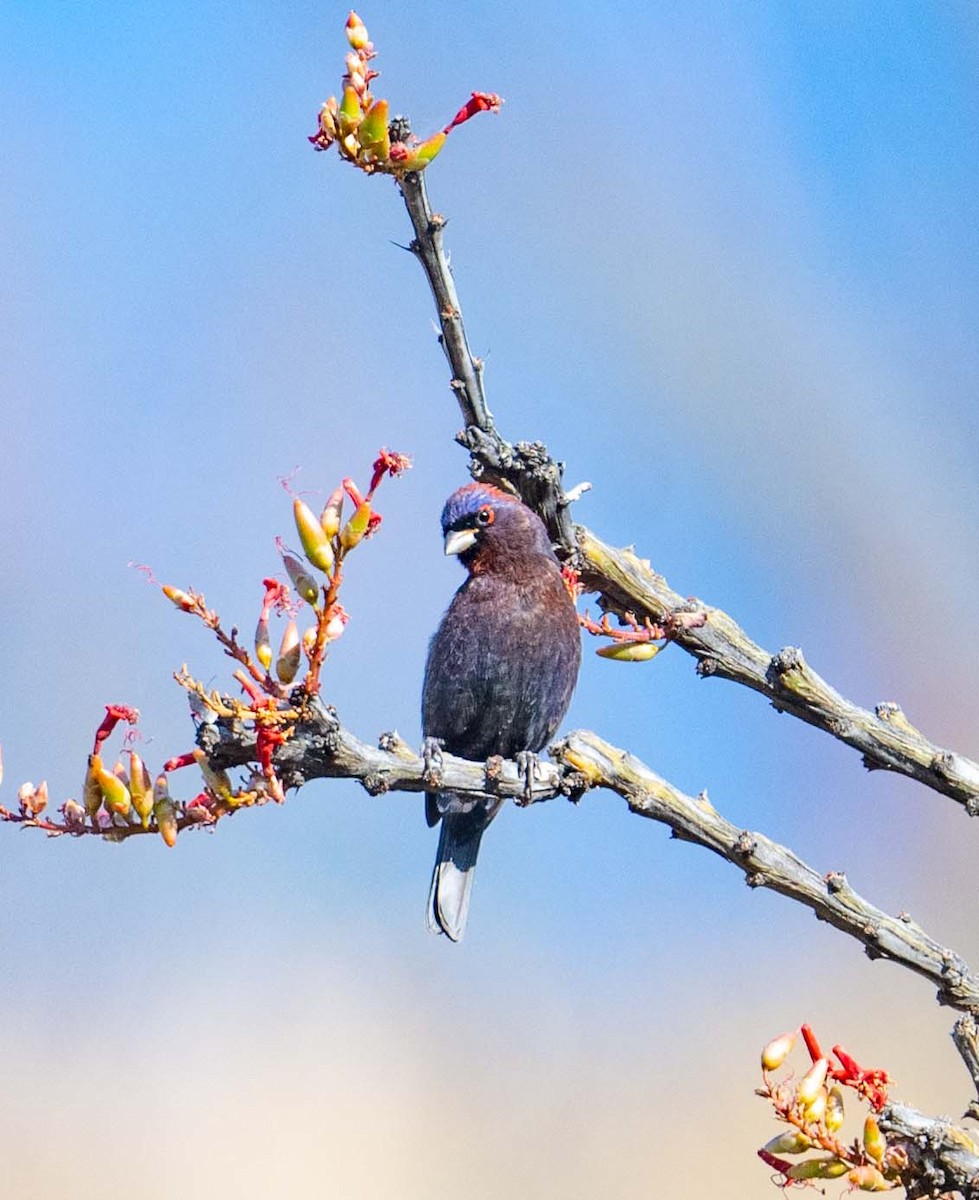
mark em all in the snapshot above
pixel 351 113
pixel 356 32
pixel 287 664
pixel 92 793
pixel 631 652
pixel 336 623
pixel 183 600
pixel 834 1110
pixel 419 157
pixel 354 530
pixel 141 789
pixel 874 1141
pixel 793 1141
pixel 818 1168
pixel 309 640
pixel 777 1051
pixel 328 123
pixel 302 581
pixel 164 810
pixel 216 781
pixel 373 131
pixel 74 815
pixel 332 513
pixel 115 794
pixel 867 1179
pixel 315 542
pixel 32 800
pixel 816 1110
pixel 812 1082
pixel 263 647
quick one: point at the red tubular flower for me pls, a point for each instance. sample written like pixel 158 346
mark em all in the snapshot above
pixel 388 462
pixel 478 102
pixel 352 490
pixel 268 738
pixel 783 1166
pixel 572 581
pixel 870 1082
pixel 276 596
pixel 114 713
pixel 180 760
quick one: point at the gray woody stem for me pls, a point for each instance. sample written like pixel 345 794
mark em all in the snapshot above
pixel 944 1159
pixel 467 370
pixel 526 466
pixel 965 1035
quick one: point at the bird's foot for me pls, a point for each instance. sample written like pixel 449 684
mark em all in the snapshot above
pixel 432 757
pixel 528 764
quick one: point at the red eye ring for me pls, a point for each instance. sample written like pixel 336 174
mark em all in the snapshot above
pixel 485 516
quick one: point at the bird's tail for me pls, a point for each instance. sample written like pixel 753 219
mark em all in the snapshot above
pixel 455 866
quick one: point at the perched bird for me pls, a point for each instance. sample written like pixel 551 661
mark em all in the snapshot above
pixel 501 669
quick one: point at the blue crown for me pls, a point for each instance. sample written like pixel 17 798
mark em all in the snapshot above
pixel 468 500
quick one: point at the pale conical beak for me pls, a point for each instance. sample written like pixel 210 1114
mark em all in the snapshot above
pixel 458 541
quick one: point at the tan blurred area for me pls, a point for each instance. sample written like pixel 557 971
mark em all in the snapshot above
pixel 341 1091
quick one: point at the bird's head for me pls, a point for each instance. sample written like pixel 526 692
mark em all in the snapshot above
pixel 481 524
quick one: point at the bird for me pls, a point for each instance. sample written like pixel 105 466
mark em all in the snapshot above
pixel 500 672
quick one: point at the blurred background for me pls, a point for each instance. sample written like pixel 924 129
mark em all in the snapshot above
pixel 722 259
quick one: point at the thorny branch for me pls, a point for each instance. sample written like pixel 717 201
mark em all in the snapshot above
pixel 322 748
pixel 526 466
pixel 628 585
pixel 965 1035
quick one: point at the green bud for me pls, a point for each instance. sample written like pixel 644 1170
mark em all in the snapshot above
pixel 164 810
pixel 818 1168
pixel 302 581
pixel 115 794
pixel 140 788
pixel 290 654
pixel 315 542
pixel 631 652
pixel 791 1142
pixel 356 527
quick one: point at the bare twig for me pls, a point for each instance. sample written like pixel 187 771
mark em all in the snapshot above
pixel 965 1035
pixel 525 466
pixel 467 370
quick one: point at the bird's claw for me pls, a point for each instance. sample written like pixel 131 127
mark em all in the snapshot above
pixel 432 758
pixel 528 764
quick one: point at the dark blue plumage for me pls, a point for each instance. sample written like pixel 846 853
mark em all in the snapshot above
pixel 501 669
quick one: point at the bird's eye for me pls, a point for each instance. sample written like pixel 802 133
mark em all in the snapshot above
pixel 484 516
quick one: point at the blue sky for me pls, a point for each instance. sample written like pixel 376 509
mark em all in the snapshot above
pixel 723 260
